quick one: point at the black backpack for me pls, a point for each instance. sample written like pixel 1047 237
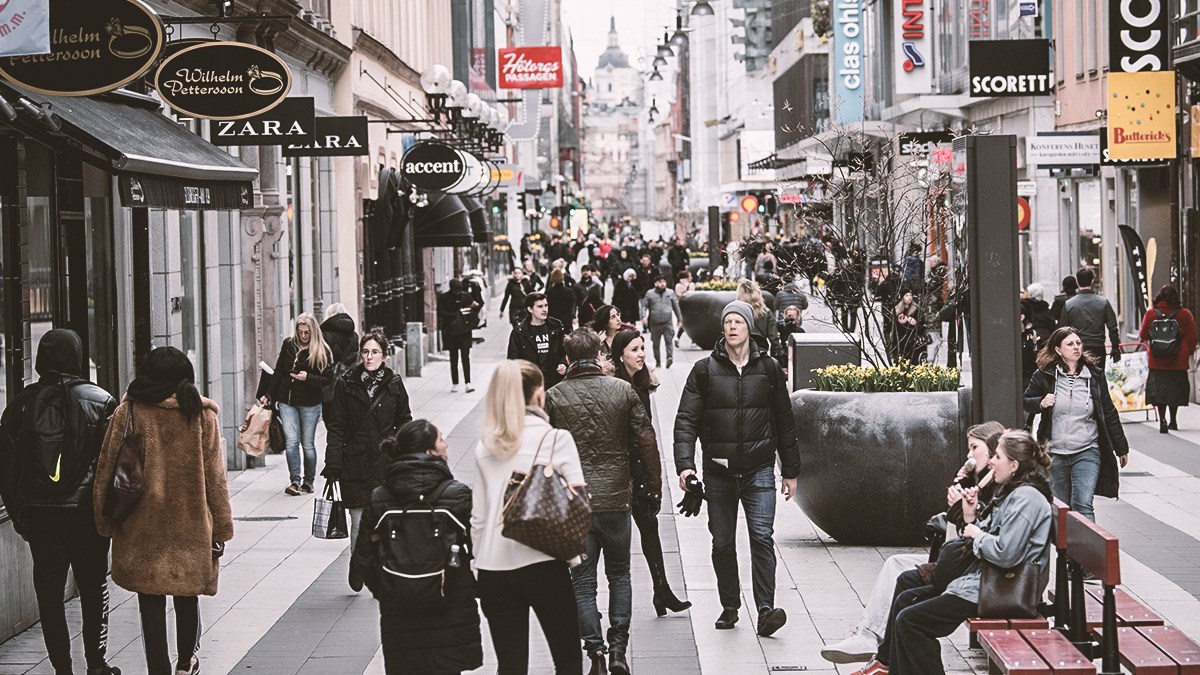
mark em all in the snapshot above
pixel 1165 335
pixel 418 545
pixel 54 459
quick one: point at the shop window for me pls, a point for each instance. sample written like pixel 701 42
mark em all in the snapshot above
pixel 191 303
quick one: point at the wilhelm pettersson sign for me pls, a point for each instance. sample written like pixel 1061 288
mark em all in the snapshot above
pixel 433 166
pixel 223 81
pixel 1010 68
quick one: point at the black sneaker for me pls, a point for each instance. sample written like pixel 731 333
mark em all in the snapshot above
pixel 292 490
pixel 104 670
pixel 771 620
pixel 306 489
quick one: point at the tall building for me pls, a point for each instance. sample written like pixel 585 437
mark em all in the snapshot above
pixel 610 120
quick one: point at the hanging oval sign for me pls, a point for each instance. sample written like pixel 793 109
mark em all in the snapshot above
pixel 433 166
pixel 94 47
pixel 223 80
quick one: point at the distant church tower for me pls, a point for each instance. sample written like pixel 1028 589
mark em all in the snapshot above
pixel 614 80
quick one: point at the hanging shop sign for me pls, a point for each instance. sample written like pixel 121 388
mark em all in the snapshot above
pixel 505 174
pixel 924 142
pixel 433 166
pixel 25 27
pixel 531 67
pixel 1137 35
pixel 1141 115
pixel 1106 158
pixel 1049 150
pixel 94 47
pixel 292 122
pixel 1024 214
pixel 174 193
pixel 223 81
pixel 333 137
pixel 846 61
pixel 1010 68
pixel 910 28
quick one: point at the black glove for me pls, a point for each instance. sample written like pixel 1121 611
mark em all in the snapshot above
pixel 1116 354
pixel 692 498
pixel 331 473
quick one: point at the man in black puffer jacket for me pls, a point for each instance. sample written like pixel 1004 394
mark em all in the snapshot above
pixel 736 403
pixel 339 333
pixel 50 437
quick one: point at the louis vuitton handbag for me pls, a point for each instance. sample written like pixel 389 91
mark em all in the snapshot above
pixel 544 512
pixel 1009 593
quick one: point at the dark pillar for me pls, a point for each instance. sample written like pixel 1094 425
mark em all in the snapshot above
pixel 714 239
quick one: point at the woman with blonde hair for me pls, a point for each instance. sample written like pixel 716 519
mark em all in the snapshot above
pixel 512 576
pixel 302 372
pixel 764 320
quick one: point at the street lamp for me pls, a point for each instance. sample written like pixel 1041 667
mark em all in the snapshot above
pixel 656 76
pixel 702 8
pixel 664 49
pixel 658 62
pixel 680 38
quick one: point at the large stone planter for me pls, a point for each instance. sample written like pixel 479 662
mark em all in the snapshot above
pixel 701 312
pixel 875 467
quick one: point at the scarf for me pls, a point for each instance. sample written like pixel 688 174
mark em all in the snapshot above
pixel 147 390
pixel 371 380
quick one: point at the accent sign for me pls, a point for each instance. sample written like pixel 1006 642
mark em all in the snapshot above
pixel 531 68
pixel 913 74
pixel 1137 35
pixel 94 47
pixel 290 122
pixel 223 80
pixel 1010 68
pixel 333 137
pixel 433 165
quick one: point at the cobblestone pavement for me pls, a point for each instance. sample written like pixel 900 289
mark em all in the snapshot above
pixel 284 606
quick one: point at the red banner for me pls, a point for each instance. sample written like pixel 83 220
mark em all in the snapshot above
pixel 530 68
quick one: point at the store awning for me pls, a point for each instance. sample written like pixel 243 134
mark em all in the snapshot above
pixel 480 231
pixel 159 163
pixel 444 222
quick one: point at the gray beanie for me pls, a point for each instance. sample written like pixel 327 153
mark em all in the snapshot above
pixel 742 309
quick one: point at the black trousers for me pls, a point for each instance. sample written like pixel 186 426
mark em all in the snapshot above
pixel 920 616
pixel 60 539
pixel 647 525
pixel 153 609
pixel 465 352
pixel 506 597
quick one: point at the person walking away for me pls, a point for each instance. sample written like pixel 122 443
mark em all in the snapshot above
pixel 50 437
pixel 1039 313
pixel 629 359
pixel 172 542
pixel 1069 287
pixel 736 404
pixel 457 315
pixel 912 268
pixel 1029 342
pixel 539 339
pixel 369 405
pixel 790 296
pixel 1169 330
pixel 661 308
pixel 561 299
pixel 514 296
pixel 420 635
pixel 626 298
pixel 764 324
pixel 603 413
pixel 1089 314
pixel 589 294
pixel 297 387
pixel 1079 421
pixel 683 286
pixel 513 578
pixel 339 333
pixel 788 325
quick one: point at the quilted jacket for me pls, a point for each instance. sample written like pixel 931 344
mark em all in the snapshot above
pixel 602 412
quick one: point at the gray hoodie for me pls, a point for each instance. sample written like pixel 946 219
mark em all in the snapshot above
pixel 1074 426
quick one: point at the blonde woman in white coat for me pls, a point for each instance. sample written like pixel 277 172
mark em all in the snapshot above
pixel 512 576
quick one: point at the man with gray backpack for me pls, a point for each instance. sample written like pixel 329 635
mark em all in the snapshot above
pixel 50 437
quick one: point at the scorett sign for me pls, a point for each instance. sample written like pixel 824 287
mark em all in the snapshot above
pixel 290 122
pixel 431 165
pixel 223 81
pixel 1010 68
pixel 94 47
pixel 333 137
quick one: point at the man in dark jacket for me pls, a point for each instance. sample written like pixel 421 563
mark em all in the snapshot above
pixel 1069 287
pixel 1089 314
pixel 603 413
pixel 736 403
pixel 539 339
pixel 50 437
pixel 788 296
pixel 586 289
pixel 514 296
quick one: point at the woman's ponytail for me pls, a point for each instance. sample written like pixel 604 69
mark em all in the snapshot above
pixel 188 398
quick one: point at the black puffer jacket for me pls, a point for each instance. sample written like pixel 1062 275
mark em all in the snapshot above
pixel 742 420
pixel 357 425
pixel 339 334
pixel 602 413
pixel 443 641
pixel 282 388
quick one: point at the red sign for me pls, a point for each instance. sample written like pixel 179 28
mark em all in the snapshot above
pixel 1023 214
pixel 749 203
pixel 531 68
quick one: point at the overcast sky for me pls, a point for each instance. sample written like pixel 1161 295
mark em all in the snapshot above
pixel 639 22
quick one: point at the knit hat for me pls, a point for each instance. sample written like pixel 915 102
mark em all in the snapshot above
pixel 742 309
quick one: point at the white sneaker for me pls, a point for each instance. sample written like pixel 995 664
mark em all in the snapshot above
pixel 470 389
pixel 854 649
pixel 454 389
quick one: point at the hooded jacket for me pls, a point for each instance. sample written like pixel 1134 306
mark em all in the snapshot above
pixel 339 334
pixel 356 426
pixel 425 641
pixel 60 363
pixel 603 413
pixel 742 419
pixel 521 345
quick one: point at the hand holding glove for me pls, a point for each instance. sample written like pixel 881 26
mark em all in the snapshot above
pixel 693 497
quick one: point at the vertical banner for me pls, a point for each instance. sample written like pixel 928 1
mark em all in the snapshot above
pixel 1135 251
pixel 24 27
pixel 910 30
pixel 846 61
pixel 1137 35
pixel 1141 115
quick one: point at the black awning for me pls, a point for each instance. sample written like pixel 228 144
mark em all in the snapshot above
pixel 480 231
pixel 444 222
pixel 139 142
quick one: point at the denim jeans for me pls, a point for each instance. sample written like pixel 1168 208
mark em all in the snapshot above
pixel 756 493
pixel 611 532
pixel 300 429
pixel 1073 479
pixel 661 332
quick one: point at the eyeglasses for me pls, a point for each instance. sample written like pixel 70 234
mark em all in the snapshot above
pixel 371 352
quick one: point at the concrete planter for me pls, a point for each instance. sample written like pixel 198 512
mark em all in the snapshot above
pixel 701 312
pixel 875 467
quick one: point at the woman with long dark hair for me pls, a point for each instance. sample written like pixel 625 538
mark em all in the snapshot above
pixel 171 542
pixel 1167 387
pixel 607 323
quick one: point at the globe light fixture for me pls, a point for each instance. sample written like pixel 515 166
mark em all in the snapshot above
pixel 456 95
pixel 656 76
pixel 436 79
pixel 702 8
pixel 664 49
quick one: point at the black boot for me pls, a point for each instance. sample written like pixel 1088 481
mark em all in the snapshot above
pixel 617 664
pixel 728 618
pixel 665 599
pixel 599 665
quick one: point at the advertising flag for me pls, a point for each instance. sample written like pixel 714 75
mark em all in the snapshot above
pixel 24 27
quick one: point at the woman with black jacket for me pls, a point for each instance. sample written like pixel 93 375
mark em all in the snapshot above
pixel 629 361
pixel 457 314
pixel 369 404
pixel 297 387
pixel 561 299
pixel 436 640
pixel 1079 421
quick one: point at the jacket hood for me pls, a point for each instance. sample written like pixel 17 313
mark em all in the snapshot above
pixel 1038 483
pixel 60 351
pixel 172 403
pixel 412 475
pixel 339 323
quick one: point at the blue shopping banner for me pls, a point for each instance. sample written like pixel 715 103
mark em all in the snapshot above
pixel 846 60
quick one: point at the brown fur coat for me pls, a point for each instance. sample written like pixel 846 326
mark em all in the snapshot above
pixel 165 546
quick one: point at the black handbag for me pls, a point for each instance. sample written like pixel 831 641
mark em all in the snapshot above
pixel 1010 593
pixel 277 440
pixel 954 559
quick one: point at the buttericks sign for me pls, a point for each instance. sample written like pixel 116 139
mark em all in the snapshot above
pixel 530 68
pixel 1010 68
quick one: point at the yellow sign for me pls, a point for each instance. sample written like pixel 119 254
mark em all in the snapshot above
pixel 1141 115
pixel 1195 129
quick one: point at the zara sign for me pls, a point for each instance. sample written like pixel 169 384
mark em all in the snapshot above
pixel 432 165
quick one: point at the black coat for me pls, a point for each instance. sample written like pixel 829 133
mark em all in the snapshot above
pixel 443 641
pixel 356 427
pixel 522 346
pixel 1113 443
pixel 561 299
pixel 627 301
pixel 339 334
pixel 514 299
pixel 281 388
pixel 742 418
pixel 457 314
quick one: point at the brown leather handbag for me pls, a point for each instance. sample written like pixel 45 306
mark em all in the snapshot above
pixel 127 488
pixel 1010 593
pixel 544 512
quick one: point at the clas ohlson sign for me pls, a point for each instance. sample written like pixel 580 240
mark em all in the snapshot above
pixel 846 60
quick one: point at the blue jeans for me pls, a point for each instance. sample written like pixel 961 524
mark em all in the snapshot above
pixel 300 428
pixel 756 493
pixel 1073 480
pixel 610 533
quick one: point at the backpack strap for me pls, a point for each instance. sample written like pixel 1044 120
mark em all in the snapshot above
pixel 1158 313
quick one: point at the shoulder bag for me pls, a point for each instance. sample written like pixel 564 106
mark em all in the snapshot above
pixel 1010 593
pixel 544 512
pixel 127 487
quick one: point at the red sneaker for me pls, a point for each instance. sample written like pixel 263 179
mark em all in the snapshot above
pixel 872 668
